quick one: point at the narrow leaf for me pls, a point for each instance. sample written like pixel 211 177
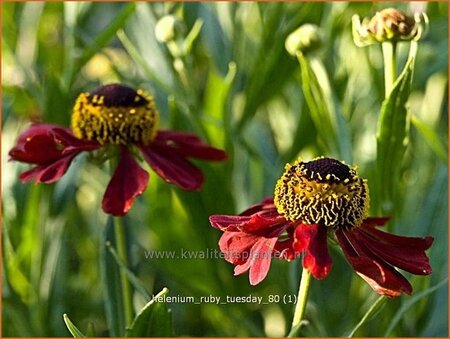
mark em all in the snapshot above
pixel 76 333
pixel 373 310
pixel 410 302
pixel 111 285
pixel 90 332
pixel 105 37
pixel 431 138
pixel 154 319
pixel 137 57
pixel 319 105
pixel 294 332
pixel 392 135
pixel 138 285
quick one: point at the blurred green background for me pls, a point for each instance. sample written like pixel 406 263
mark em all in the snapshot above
pixel 241 91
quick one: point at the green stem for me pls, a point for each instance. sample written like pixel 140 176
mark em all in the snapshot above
pixel 301 303
pixel 390 65
pixel 121 245
pixel 127 298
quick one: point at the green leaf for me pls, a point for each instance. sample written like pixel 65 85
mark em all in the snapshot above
pixel 319 103
pixel 105 37
pixel 293 333
pixel 90 332
pixel 216 95
pixel 137 57
pixel 410 302
pixel 137 284
pixel 392 136
pixel 76 333
pixel 154 320
pixel 373 310
pixel 213 36
pixel 431 138
pixel 111 285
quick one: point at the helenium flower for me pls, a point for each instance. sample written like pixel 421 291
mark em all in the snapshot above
pixel 115 116
pixel 313 201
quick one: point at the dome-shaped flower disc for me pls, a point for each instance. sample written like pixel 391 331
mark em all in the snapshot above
pixel 322 191
pixel 115 114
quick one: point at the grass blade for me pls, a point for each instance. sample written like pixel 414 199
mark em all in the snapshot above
pixel 373 310
pixel 111 285
pixel 138 285
pixel 392 136
pixel 135 54
pixel 105 37
pixel 431 138
pixel 76 333
pixel 410 302
pixel 319 106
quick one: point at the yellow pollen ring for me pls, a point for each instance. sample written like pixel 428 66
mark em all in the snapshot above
pixel 304 195
pixel 92 119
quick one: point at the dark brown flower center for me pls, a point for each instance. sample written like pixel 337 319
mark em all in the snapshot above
pixel 115 114
pixel 327 169
pixel 322 191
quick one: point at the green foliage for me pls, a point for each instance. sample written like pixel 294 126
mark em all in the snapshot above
pixel 76 333
pixel 392 136
pixel 112 285
pixel 154 320
pixel 234 84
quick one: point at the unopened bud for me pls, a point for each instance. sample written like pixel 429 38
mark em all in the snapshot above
pixel 390 24
pixel 305 39
pixel 168 28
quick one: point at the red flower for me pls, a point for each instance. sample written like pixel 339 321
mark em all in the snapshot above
pixel 297 222
pixel 115 114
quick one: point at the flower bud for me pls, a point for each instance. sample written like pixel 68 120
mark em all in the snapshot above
pixel 390 24
pixel 305 39
pixel 168 28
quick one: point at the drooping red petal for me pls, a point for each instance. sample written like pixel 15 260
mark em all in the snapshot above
pixel 52 148
pixel 376 221
pixel 257 219
pixel 128 181
pixel 251 239
pixel 189 145
pixel 248 252
pixel 409 257
pixel 266 203
pixel 49 173
pixel 264 220
pixel 228 222
pixel 172 167
pixel 285 250
pixel 397 240
pixel 383 278
pixel 259 223
pixel 44 143
pixel 258 260
pixel 313 240
pixel 236 245
pixel 262 251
